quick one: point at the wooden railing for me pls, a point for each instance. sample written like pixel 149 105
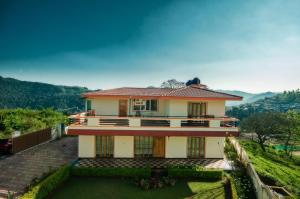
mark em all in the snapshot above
pixel 179 122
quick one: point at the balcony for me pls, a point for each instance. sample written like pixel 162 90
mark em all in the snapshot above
pixel 153 123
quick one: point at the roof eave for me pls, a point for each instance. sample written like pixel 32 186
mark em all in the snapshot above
pixel 163 97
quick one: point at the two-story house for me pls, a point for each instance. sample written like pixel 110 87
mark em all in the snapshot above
pixel 186 122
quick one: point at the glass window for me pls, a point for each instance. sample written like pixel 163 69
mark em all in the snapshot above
pixel 196 147
pixel 143 146
pixel 144 105
pixel 104 146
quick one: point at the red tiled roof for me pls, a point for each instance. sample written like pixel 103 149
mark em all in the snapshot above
pixel 193 92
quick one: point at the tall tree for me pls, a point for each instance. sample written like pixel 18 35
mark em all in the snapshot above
pixel 264 125
pixel 290 127
pixel 172 83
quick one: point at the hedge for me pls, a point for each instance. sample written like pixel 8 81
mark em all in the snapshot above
pixel 46 186
pixel 232 187
pixel 194 173
pixel 115 172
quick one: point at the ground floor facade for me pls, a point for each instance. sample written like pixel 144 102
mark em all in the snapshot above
pixel 199 147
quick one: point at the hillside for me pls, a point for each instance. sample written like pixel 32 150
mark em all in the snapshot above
pixel 280 103
pixel 24 94
pixel 247 97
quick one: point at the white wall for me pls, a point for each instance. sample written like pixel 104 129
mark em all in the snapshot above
pixel 124 147
pixel 86 146
pixel 214 147
pixel 176 147
pixel 216 108
pixel 178 108
pixel 106 106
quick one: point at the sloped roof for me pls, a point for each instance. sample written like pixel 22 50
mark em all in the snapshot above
pixel 187 92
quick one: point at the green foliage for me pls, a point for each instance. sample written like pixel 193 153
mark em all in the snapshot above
pixel 275 168
pixel 155 183
pixel 278 103
pixel 208 174
pixel 23 94
pixel 27 120
pixel 46 186
pixel 265 125
pixel 230 186
pixel 117 172
pixel 239 179
pixel 229 150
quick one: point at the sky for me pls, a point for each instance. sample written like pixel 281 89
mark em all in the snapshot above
pixel 252 46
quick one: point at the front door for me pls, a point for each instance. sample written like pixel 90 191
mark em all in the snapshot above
pixel 123 108
pixel 159 147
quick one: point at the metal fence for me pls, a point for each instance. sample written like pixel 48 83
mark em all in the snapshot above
pixel 31 139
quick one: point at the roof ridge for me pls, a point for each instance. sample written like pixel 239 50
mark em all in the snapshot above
pixel 220 92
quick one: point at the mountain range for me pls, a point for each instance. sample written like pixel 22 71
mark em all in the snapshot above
pixel 25 94
pixel 247 97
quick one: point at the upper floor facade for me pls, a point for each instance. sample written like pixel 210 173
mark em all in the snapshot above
pixel 180 111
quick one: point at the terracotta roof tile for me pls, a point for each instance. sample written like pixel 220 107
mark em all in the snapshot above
pixel 185 92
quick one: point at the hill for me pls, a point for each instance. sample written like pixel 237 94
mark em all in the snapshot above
pixel 247 97
pixel 24 94
pixel 288 100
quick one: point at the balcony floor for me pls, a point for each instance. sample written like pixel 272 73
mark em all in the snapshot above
pixel 158 163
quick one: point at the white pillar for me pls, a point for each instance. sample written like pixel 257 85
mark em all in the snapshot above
pixel 134 122
pixel 214 123
pixel 93 121
pixel 175 122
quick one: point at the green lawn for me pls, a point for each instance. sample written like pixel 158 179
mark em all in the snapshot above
pixel 116 188
pixel 274 166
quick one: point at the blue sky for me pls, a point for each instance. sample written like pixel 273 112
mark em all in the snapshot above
pixel 239 45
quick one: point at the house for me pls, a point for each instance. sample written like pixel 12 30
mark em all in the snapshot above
pixel 186 122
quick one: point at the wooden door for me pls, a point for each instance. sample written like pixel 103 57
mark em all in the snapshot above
pixel 159 147
pixel 123 108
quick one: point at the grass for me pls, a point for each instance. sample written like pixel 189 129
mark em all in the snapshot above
pixel 274 167
pixel 118 188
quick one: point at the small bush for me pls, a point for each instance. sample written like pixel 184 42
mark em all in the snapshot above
pixel 114 172
pixel 155 183
pixel 195 173
pixel 46 186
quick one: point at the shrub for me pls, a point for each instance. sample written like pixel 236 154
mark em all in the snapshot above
pixel 207 174
pixel 155 183
pixel 117 172
pixel 231 187
pixel 46 186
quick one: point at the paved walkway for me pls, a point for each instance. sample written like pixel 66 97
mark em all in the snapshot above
pixel 18 171
pixel 152 162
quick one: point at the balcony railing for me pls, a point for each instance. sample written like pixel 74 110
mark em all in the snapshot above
pixel 172 122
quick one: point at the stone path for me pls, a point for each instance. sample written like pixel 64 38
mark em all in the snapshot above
pixel 18 171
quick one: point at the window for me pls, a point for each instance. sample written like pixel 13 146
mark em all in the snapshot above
pixel 145 105
pixel 196 147
pixel 88 105
pixel 143 146
pixel 104 146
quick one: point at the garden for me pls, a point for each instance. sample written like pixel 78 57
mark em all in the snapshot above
pixel 179 182
pixel 274 166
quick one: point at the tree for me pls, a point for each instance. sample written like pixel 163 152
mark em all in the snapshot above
pixel 172 83
pixel 264 125
pixel 290 127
